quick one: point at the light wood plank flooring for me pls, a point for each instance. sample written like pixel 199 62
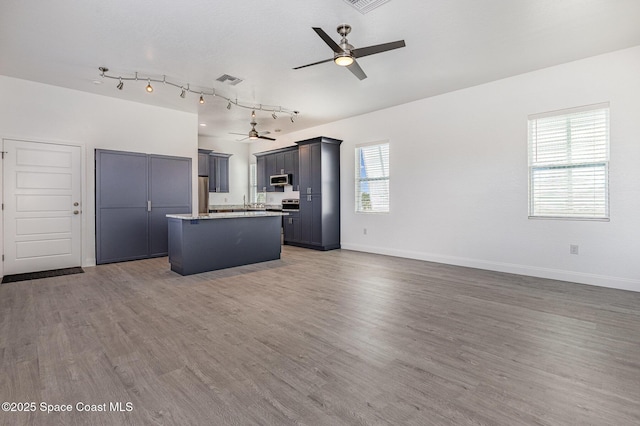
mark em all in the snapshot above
pixel 320 338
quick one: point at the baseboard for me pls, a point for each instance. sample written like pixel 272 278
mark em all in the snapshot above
pixel 512 268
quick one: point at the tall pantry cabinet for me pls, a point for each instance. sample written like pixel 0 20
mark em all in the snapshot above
pixel 134 193
pixel 319 168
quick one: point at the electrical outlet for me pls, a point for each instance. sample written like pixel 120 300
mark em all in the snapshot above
pixel 364 231
pixel 573 249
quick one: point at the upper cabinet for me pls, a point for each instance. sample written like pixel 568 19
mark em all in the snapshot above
pixel 278 162
pixel 203 163
pixel 218 172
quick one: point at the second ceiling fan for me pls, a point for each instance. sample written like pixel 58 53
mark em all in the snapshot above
pixel 344 54
pixel 253 133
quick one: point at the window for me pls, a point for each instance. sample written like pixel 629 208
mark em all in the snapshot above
pixel 569 163
pixel 253 184
pixel 372 178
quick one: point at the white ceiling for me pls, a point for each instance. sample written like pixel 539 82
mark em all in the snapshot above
pixel 451 44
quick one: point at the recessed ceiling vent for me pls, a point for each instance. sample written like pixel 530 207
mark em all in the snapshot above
pixel 366 6
pixel 229 79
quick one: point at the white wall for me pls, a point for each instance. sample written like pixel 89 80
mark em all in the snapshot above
pixel 238 169
pixel 459 176
pixel 40 112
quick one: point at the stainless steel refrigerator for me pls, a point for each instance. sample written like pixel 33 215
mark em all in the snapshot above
pixel 203 194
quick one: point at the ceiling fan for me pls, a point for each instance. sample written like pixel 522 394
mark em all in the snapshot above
pixel 253 133
pixel 345 54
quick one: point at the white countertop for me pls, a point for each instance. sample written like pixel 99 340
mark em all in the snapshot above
pixel 227 215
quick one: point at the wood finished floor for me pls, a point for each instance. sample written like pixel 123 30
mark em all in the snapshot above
pixel 320 338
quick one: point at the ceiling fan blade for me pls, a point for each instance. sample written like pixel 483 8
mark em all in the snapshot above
pixel 378 48
pixel 264 137
pixel 324 36
pixel 264 133
pixel 243 139
pixel 356 70
pixel 315 63
pixel 241 134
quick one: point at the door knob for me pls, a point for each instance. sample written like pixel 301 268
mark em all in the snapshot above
pixel 75 204
pixel 76 212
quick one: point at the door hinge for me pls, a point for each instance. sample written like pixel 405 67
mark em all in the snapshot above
pixel 2 206
pixel 3 257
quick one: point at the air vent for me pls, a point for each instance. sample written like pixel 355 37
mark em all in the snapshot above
pixel 366 6
pixel 229 79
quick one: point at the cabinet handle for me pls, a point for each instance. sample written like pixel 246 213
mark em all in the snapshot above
pixel 308 197
pixel 149 205
pixel 308 190
pixel 290 221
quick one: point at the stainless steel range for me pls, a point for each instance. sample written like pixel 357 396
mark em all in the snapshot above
pixel 290 205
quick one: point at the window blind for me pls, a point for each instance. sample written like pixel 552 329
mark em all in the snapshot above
pixel 568 164
pixel 372 178
pixel 253 184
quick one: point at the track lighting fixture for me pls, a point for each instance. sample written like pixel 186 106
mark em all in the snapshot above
pixel 253 114
pixel 292 120
pixel 185 88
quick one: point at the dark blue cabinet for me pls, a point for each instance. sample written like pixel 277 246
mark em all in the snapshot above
pixel 319 164
pixel 278 162
pixel 134 192
pixel 219 172
pixel 203 163
pixel 291 167
pixel 291 227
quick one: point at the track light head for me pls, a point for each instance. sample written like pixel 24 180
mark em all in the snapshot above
pixel 274 115
pixel 149 88
pixel 292 119
pixel 201 99
pixel 253 114
pixel 229 105
pixel 120 85
pixel 183 93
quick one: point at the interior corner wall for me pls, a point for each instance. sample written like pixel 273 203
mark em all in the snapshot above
pixel 238 169
pixel 45 113
pixel 459 177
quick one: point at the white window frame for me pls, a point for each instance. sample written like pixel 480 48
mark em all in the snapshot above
pixel 599 162
pixel 358 179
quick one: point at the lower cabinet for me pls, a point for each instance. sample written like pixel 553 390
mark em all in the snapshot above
pixel 311 218
pixel 291 227
pixel 134 193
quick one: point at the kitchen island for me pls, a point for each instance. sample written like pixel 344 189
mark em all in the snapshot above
pixel 207 242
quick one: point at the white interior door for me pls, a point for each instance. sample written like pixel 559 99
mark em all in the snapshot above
pixel 42 206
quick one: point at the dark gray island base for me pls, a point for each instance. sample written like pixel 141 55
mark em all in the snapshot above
pixel 222 240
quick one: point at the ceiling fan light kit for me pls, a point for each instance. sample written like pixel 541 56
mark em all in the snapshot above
pixel 345 55
pixel 185 88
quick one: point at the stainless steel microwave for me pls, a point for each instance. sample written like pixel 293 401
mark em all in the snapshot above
pixel 280 180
